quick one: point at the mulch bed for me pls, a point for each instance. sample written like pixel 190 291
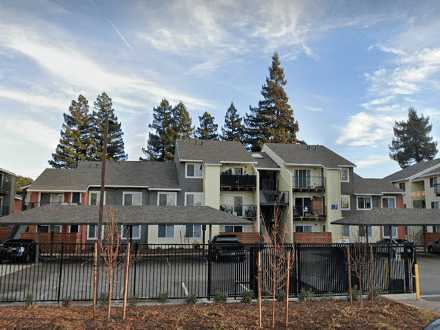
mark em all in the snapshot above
pixel 324 314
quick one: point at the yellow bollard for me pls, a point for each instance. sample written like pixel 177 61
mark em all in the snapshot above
pixel 416 271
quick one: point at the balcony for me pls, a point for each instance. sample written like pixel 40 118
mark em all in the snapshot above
pixel 233 182
pixel 4 185
pixel 275 198
pixel 242 211
pixel 304 213
pixel 437 189
pixel 308 183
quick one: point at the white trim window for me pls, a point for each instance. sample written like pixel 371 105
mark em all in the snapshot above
pixel 135 232
pixel 73 229
pixel 364 202
pixel 346 230
pixel 43 228
pixel 194 199
pixel 389 202
pixel 168 198
pixel 94 197
pixel 165 231
pixel 389 231
pixel 362 231
pixel 345 202
pixel 57 228
pixel 345 174
pixel 303 228
pixel 193 231
pixel 92 232
pixel 132 198
pixel 194 170
pixel 233 229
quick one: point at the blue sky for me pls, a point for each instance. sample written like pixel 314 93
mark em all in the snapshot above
pixel 353 67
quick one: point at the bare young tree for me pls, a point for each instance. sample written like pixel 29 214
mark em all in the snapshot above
pixel 276 269
pixel 110 251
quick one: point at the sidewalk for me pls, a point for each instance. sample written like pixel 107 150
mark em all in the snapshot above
pixel 431 303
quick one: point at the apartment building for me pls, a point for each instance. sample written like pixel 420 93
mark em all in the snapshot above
pixel 7 192
pixel 309 186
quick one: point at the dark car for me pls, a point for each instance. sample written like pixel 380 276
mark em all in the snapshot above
pixel 387 247
pixel 226 247
pixel 18 250
pixel 434 247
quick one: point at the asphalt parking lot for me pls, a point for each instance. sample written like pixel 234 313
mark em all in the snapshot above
pixel 429 275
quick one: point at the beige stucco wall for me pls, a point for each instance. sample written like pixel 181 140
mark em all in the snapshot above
pixel 333 197
pixel 211 185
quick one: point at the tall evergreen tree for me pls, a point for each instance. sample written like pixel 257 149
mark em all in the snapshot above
pixel 272 120
pixel 182 122
pixel 115 147
pixel 161 140
pixel 75 136
pixel 233 128
pixel 412 141
pixel 208 129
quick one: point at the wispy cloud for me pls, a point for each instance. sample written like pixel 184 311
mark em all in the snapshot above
pixel 32 99
pixel 314 109
pixel 371 161
pixel 120 35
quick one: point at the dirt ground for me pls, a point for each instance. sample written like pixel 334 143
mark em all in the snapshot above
pixel 328 314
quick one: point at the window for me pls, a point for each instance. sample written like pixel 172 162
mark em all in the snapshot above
pixel 302 178
pixel 389 202
pixel 167 199
pixel 402 186
pixel 364 203
pixel 43 228
pixel 238 206
pixel 94 198
pixel 135 231
pixel 56 199
pixel 193 198
pixel 92 232
pixel 233 229
pixel 345 174
pixel 74 229
pixel 193 231
pixel 433 181
pixel 362 231
pixel 132 198
pixel 57 228
pixel 435 205
pixel 165 231
pixel 193 170
pixel 390 230
pixel 303 229
pixel 76 198
pixel 346 230
pixel 238 171
pixel 345 202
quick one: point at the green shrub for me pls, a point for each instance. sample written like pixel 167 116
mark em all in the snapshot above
pixel 247 296
pixel 219 298
pixel 29 300
pixel 305 295
pixel 192 299
pixel 163 297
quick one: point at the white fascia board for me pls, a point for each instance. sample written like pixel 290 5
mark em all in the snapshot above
pixel 346 165
pixel 190 160
pixel 268 168
pixel 212 164
pixel 360 194
pixel 295 164
pixel 56 190
pixel 116 186
pixel 395 193
pixel 165 189
pixel 236 162
pixel 415 176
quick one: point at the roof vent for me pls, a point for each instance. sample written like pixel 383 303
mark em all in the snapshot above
pixel 257 156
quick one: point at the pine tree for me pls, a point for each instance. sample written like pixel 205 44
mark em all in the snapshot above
pixel 161 139
pixel 233 128
pixel 272 120
pixel 208 129
pixel 115 147
pixel 412 141
pixel 75 137
pixel 182 122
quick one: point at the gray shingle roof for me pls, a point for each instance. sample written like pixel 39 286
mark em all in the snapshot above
pixel 212 151
pixel 372 186
pixel 412 170
pixel 153 174
pixel 377 217
pixel 308 154
pixel 73 214
pixel 265 162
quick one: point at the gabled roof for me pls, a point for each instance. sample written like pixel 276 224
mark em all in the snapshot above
pixel 152 174
pixel 264 161
pixel 303 154
pixel 380 217
pixel 372 186
pixel 412 170
pixel 149 214
pixel 212 151
pixel 2 170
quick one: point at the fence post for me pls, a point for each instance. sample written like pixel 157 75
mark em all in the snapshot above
pixel 350 291
pixel 209 272
pixel 298 269
pixel 134 268
pixel 60 276
pixel 389 266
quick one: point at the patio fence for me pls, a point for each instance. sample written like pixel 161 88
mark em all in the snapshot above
pixel 64 271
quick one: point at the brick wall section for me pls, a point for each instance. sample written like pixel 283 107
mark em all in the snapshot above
pixel 4 233
pixel 67 197
pixel 431 237
pixel 34 197
pixel 84 200
pixel 313 238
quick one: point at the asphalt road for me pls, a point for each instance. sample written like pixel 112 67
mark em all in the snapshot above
pixel 429 274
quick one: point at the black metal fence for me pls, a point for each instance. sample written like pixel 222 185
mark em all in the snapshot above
pixel 61 272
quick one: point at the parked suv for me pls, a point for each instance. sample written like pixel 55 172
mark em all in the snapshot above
pixel 434 247
pixel 18 250
pixel 225 247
